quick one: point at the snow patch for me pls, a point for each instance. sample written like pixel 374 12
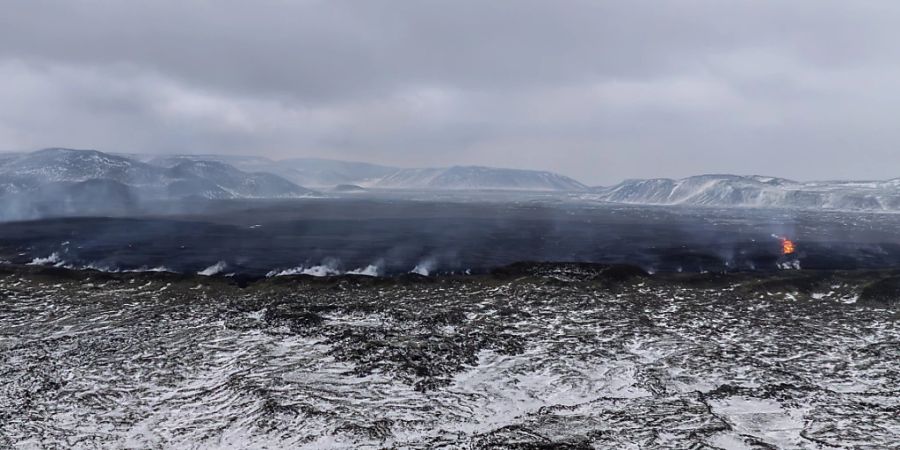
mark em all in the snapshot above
pixel 764 419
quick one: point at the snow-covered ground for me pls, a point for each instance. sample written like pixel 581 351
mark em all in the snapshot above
pixel 155 360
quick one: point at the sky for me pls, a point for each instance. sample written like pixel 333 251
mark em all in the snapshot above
pixel 597 90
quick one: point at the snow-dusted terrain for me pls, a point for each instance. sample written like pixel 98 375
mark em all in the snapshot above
pixel 541 357
pixel 756 191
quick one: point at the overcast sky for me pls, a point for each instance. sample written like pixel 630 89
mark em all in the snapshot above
pixel 598 90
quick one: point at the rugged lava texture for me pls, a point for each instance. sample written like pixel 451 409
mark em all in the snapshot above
pixel 533 356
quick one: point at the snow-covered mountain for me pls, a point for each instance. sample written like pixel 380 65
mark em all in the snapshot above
pixel 474 177
pixel 311 172
pixel 68 165
pixel 230 182
pixel 326 173
pixel 65 171
pixel 756 191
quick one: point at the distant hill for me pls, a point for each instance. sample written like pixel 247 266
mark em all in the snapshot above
pixel 756 191
pixel 472 177
pixel 233 183
pixel 312 172
pixel 348 188
pixel 325 172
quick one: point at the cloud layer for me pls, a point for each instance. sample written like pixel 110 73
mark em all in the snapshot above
pixel 597 90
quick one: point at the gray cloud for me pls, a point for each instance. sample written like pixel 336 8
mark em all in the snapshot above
pixel 597 90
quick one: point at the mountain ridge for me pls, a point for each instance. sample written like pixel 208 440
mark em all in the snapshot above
pixel 57 181
pixel 725 190
pixel 479 177
pixel 63 165
pixel 68 172
pixel 328 173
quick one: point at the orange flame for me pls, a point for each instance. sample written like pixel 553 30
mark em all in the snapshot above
pixel 787 246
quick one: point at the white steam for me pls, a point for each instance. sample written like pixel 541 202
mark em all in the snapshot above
pixel 53 259
pixel 158 269
pixel 370 271
pixel 322 270
pixel 425 267
pixel 213 269
pixel 789 265
pixel 327 269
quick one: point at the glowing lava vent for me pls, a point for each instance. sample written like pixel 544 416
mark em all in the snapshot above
pixel 787 246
